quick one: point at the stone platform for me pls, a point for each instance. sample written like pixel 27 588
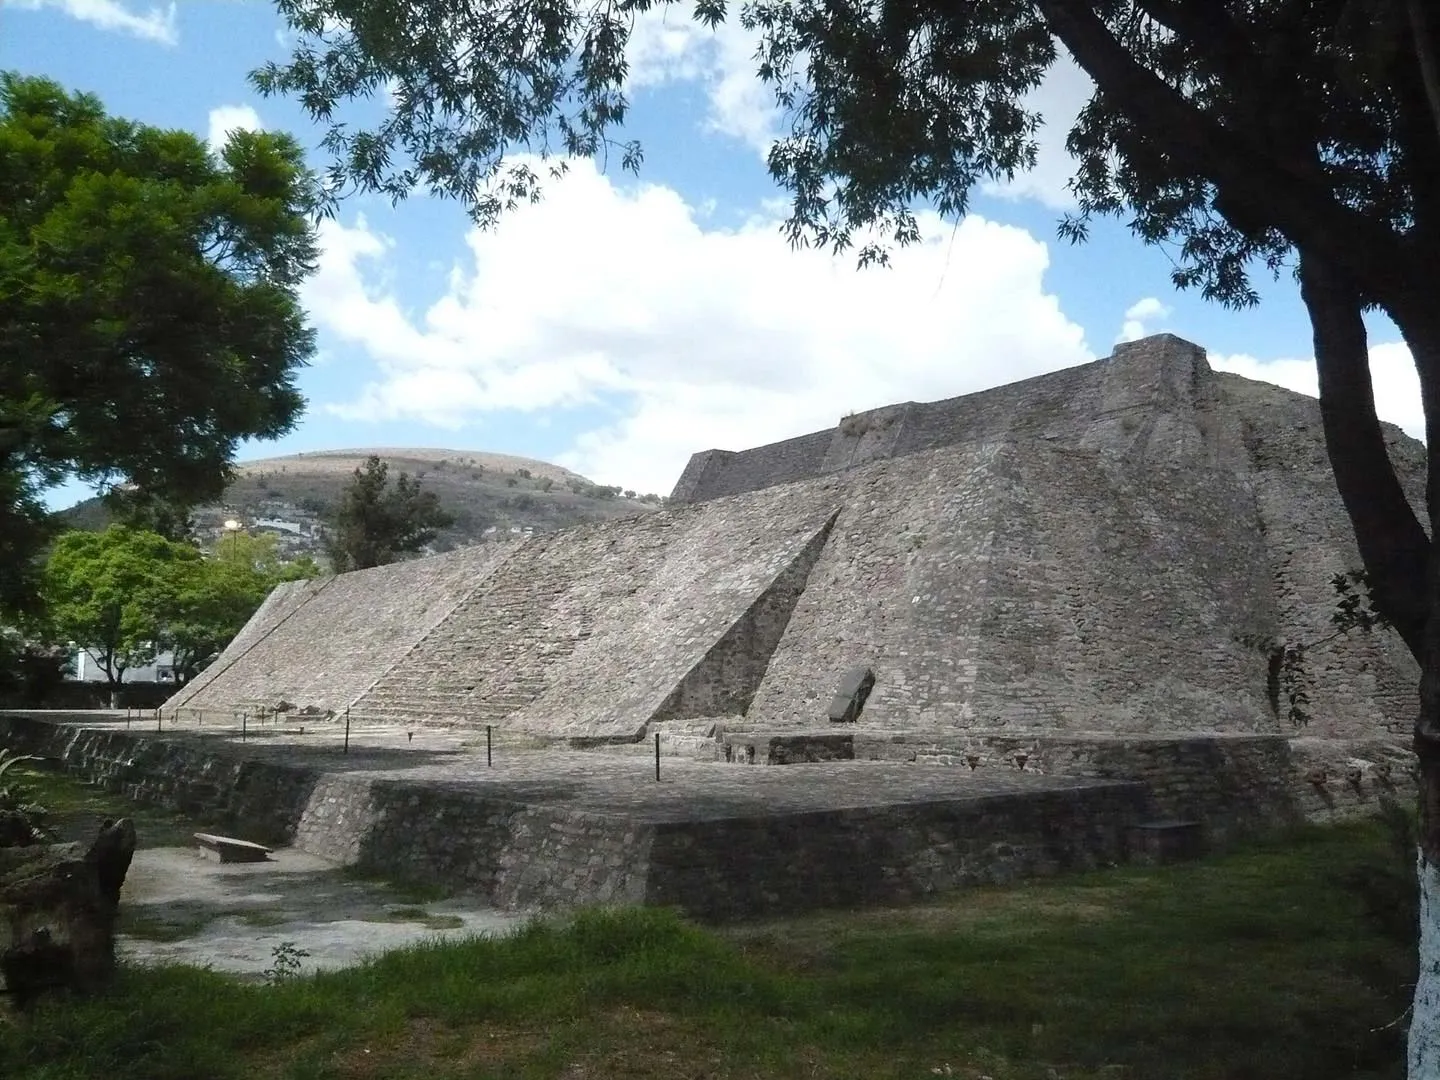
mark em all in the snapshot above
pixel 554 828
pixel 860 818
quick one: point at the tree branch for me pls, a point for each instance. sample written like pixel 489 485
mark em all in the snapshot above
pixel 1294 199
pixel 1393 544
pixel 1425 55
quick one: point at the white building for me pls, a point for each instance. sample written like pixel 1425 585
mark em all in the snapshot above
pixel 88 668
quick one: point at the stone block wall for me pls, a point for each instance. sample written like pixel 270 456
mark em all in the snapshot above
pixel 1112 617
pixel 695 614
pixel 1307 540
pixel 1234 785
pixel 1061 405
pixel 282 602
pixel 530 855
pixel 333 648
pixel 518 856
pixel 1098 549
pixel 737 868
pixel 714 474
pixel 263 801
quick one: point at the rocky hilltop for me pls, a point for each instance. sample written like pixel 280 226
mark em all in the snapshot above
pixel 491 496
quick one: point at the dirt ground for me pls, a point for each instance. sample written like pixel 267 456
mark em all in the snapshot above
pixel 181 906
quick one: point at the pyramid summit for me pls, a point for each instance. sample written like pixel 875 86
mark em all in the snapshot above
pixel 1116 549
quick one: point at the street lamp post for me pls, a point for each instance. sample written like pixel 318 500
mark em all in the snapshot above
pixel 233 527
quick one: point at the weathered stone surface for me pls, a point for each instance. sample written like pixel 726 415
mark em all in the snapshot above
pixel 1088 551
pixel 849 699
pixel 857 817
pixel 229 849
pixel 58 905
pixel 1057 586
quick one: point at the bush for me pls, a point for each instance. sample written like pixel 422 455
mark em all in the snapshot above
pixel 22 818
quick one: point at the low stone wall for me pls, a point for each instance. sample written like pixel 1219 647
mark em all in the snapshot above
pixel 524 854
pixel 1233 784
pixel 215 785
pixel 886 855
pixel 519 856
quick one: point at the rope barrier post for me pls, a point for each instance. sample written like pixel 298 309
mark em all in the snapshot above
pixel 657 757
pixel 347 729
pixel 489 758
pixel 244 723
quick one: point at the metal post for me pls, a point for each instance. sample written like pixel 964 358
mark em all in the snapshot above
pixel 347 729
pixel 489 758
pixel 244 723
pixel 159 720
pixel 657 757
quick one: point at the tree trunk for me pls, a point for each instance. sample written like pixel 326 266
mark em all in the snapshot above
pixel 1393 545
pixel 1396 552
pixel 58 906
pixel 1420 327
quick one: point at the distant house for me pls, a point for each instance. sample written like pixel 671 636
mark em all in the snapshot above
pixel 88 668
pixel 280 525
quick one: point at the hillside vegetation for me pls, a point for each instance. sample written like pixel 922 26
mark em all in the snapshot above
pixel 491 496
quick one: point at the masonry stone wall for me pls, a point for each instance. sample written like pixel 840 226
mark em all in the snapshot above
pixel 1111 548
pixel 333 648
pixel 1053 406
pixel 589 634
pixel 1307 541
pixel 533 851
pixel 1232 785
pixel 264 799
pixel 518 856
pixel 282 602
pixel 735 868
pixel 717 473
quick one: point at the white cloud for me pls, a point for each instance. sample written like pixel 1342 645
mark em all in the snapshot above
pixel 1392 372
pixel 1059 99
pixel 1139 316
pixel 667 45
pixel 157 24
pixel 227 118
pixel 693 337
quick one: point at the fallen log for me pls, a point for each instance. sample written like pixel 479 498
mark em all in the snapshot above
pixel 58 907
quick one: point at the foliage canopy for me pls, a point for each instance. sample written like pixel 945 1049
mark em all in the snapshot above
pixel 148 311
pixel 127 594
pixel 375 522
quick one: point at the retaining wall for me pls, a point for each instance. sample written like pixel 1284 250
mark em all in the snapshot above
pixel 524 854
pixel 1234 785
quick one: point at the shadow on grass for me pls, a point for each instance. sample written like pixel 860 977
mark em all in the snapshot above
pixel 1260 964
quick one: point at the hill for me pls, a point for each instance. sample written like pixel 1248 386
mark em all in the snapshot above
pixel 492 496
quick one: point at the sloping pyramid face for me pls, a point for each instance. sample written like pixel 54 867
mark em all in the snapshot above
pixel 327 644
pixel 979 601
pixel 585 634
pixel 284 600
pixel 1098 550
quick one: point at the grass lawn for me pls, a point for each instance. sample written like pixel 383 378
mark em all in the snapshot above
pixel 1286 960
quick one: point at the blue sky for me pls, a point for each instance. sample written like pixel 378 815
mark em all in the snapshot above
pixel 624 323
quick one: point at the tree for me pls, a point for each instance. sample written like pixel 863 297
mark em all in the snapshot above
pixel 213 600
pixel 216 597
pixel 115 593
pixel 376 523
pixel 1283 134
pixel 258 552
pixel 148 310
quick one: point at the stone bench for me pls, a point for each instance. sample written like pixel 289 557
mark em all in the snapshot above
pixel 231 850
